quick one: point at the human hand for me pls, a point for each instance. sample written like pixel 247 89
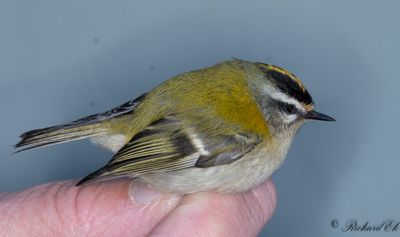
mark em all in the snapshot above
pixel 123 208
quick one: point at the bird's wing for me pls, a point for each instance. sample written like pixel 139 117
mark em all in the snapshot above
pixel 167 145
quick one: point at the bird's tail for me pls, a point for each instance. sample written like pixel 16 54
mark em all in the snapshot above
pixel 76 130
pixel 90 126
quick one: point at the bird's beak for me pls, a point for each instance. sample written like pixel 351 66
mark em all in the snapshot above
pixel 314 115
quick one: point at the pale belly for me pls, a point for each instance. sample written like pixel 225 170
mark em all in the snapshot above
pixel 241 175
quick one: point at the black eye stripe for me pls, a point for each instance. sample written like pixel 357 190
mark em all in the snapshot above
pixel 287 108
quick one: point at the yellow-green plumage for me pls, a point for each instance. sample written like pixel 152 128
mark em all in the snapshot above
pixel 230 102
pixel 230 99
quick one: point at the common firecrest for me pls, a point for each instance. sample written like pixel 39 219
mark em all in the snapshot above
pixel 224 128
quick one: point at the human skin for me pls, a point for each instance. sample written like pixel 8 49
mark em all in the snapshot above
pixel 124 208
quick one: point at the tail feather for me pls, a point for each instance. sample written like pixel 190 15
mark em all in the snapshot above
pixel 58 134
pixel 90 126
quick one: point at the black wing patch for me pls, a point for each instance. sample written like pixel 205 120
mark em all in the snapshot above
pixel 163 146
pixel 162 138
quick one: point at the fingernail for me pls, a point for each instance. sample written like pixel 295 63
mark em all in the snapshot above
pixel 141 194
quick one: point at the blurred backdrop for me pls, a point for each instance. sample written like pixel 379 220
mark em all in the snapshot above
pixel 60 60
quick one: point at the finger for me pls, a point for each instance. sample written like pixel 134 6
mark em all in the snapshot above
pixel 213 214
pixel 102 209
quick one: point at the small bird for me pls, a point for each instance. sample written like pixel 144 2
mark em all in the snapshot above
pixel 225 128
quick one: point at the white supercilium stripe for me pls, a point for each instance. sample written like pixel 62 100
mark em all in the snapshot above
pixel 277 95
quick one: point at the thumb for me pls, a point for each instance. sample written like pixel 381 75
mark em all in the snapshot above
pixel 100 209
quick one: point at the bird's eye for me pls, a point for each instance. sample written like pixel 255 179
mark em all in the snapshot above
pixel 287 108
pixel 290 109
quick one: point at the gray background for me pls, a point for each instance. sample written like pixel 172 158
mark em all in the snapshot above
pixel 60 60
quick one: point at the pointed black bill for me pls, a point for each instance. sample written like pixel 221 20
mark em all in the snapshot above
pixel 314 115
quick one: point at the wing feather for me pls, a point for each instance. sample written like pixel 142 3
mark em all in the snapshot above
pixel 166 145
